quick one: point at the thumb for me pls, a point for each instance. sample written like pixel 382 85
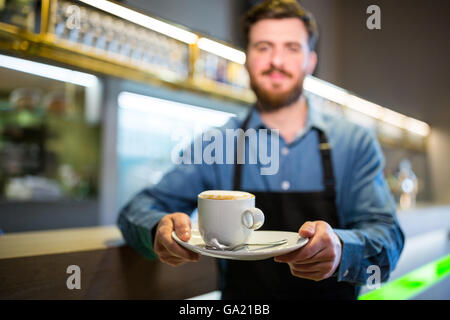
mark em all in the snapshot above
pixel 182 225
pixel 307 230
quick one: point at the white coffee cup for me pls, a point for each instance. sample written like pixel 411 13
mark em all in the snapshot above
pixel 228 217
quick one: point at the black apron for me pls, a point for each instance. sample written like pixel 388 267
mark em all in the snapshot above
pixel 285 211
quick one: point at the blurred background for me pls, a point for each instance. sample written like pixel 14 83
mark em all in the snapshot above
pixel 91 93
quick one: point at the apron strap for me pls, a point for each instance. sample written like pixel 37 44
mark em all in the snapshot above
pixel 240 145
pixel 327 164
pixel 325 153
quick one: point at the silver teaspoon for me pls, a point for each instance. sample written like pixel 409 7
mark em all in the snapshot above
pixel 217 246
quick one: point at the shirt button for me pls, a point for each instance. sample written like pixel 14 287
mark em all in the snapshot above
pixel 285 151
pixel 285 185
pixel 345 273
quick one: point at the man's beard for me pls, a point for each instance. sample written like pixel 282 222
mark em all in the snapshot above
pixel 269 101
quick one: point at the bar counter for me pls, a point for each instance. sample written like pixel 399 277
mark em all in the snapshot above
pixel 33 265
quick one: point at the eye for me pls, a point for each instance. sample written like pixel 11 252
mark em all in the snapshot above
pixel 294 48
pixel 262 47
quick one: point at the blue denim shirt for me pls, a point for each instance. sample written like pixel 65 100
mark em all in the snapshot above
pixel 371 234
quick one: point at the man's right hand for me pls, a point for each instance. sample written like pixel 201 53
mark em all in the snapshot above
pixel 167 249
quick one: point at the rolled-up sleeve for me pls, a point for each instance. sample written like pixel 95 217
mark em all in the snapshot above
pixel 371 234
pixel 137 219
pixel 176 192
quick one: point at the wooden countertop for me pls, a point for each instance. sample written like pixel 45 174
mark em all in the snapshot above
pixel 33 265
pixel 35 243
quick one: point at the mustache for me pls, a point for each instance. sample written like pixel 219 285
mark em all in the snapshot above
pixel 272 69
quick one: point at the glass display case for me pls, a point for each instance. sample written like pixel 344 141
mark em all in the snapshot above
pixel 91 31
pixel 20 13
pixel 49 149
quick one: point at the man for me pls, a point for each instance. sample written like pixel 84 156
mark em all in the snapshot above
pixel 329 187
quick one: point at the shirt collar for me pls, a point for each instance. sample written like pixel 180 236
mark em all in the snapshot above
pixel 314 119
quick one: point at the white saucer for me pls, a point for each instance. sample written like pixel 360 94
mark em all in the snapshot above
pixel 294 242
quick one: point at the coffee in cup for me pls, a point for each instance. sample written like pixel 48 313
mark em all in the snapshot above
pixel 228 217
pixel 225 195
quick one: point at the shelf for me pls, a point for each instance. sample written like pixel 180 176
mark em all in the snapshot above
pixel 49 47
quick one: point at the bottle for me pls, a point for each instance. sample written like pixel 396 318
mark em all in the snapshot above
pixel 408 185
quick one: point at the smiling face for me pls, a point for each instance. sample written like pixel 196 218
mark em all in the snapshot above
pixel 278 59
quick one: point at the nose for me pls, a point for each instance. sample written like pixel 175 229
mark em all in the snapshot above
pixel 277 58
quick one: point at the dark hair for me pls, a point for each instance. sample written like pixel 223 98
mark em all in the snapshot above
pixel 279 9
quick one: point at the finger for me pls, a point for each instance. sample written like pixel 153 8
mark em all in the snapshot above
pixel 182 226
pixel 316 244
pixel 320 256
pixel 178 251
pixel 312 248
pixel 313 267
pixel 166 244
pixel 307 230
pixel 288 257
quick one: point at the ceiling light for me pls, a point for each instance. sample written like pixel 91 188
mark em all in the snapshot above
pixel 345 98
pixel 48 71
pixel 171 109
pixel 144 20
pixel 221 50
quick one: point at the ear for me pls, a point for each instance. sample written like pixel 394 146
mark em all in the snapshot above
pixel 312 62
pixel 246 61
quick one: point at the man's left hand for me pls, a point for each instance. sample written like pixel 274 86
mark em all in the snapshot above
pixel 320 257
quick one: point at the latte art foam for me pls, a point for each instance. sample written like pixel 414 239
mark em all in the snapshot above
pixel 225 195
